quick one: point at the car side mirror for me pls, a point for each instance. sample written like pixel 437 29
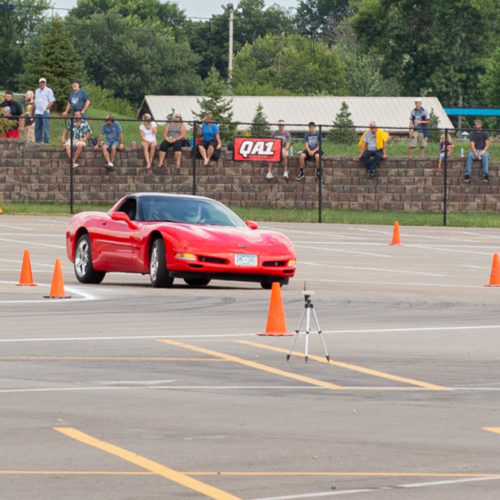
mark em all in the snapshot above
pixel 251 224
pixel 123 217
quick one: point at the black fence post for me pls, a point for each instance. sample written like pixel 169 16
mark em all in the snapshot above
pixel 320 178
pixel 445 176
pixel 194 151
pixel 71 154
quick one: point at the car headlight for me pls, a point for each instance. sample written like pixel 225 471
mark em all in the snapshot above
pixel 291 263
pixel 185 256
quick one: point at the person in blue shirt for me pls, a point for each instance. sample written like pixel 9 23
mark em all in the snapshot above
pixel 312 151
pixel 210 142
pixel 114 140
pixel 78 99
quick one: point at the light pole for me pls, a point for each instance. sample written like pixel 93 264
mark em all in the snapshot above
pixel 230 8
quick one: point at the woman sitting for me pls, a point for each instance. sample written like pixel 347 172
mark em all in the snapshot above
pixel 148 136
pixel 174 134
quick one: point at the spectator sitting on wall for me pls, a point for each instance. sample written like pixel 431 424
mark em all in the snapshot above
pixel 479 145
pixel 373 148
pixel 29 113
pixel 78 100
pixel 445 147
pixel 419 128
pixel 173 134
pixel 148 132
pixel 13 111
pixel 114 140
pixel 210 144
pixel 286 140
pixel 312 151
pixel 81 132
pixel 44 99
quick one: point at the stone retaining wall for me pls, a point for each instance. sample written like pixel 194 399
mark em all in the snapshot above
pixel 31 172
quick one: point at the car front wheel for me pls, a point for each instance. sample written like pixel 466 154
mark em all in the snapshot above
pixel 158 271
pixel 197 281
pixel 84 270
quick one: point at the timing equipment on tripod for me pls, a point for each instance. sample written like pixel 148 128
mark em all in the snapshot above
pixel 308 309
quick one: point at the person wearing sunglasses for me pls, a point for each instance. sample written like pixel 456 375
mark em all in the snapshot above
pixel 173 134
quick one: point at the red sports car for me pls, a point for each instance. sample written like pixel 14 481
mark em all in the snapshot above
pixel 176 236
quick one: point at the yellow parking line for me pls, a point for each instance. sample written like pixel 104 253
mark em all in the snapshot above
pixel 253 364
pixel 252 474
pixel 356 368
pixel 73 473
pixel 150 465
pixel 102 358
pixel 344 474
pixel 495 430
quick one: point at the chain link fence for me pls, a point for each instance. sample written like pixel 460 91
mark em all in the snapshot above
pixel 332 199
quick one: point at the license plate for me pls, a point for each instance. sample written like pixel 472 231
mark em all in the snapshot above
pixel 245 259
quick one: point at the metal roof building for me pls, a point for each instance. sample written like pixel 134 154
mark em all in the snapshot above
pixel 297 111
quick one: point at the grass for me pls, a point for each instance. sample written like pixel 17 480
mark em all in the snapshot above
pixel 474 219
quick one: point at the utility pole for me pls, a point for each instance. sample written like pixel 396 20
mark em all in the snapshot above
pixel 230 8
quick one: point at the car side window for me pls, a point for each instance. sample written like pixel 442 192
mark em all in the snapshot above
pixel 129 207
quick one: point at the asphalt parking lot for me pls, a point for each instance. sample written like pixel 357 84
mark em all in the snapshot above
pixel 128 392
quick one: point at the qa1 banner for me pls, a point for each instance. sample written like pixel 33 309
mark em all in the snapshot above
pixel 254 149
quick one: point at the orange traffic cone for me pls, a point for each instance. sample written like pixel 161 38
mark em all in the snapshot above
pixel 57 285
pixel 26 278
pixel 276 324
pixel 396 239
pixel 495 272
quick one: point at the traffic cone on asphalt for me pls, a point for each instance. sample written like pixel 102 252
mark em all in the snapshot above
pixel 495 272
pixel 26 278
pixel 276 324
pixel 57 285
pixel 396 239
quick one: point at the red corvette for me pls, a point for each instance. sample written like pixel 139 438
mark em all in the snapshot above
pixel 176 236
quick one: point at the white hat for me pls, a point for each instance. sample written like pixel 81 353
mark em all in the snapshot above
pixel 42 80
pixel 418 99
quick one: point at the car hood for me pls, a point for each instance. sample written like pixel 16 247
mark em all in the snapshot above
pixel 230 239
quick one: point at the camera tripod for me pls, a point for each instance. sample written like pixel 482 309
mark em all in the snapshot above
pixel 308 308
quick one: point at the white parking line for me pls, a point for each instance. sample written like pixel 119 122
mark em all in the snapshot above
pixel 33 243
pixel 382 488
pixel 70 289
pixel 184 335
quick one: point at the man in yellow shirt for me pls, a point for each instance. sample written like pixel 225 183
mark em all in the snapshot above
pixel 372 148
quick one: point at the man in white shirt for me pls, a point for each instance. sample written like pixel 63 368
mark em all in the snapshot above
pixel 44 99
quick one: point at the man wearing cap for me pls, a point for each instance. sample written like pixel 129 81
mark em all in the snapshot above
pixel 44 99
pixel 78 99
pixel 286 140
pixel 419 128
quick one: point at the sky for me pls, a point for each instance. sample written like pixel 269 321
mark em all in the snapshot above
pixel 192 8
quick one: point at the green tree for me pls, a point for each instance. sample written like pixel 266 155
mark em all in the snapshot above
pixel 210 39
pixel 433 47
pixel 343 131
pixel 292 63
pixel 215 103
pixel 319 18
pixel 260 126
pixel 362 70
pixel 167 15
pixel 135 57
pixel 54 56
pixel 19 20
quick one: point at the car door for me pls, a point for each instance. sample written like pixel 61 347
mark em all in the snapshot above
pixel 118 242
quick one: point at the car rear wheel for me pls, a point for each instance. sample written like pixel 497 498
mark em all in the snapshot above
pixel 84 270
pixel 158 271
pixel 197 281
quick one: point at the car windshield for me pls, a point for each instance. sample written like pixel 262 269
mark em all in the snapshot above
pixel 187 210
